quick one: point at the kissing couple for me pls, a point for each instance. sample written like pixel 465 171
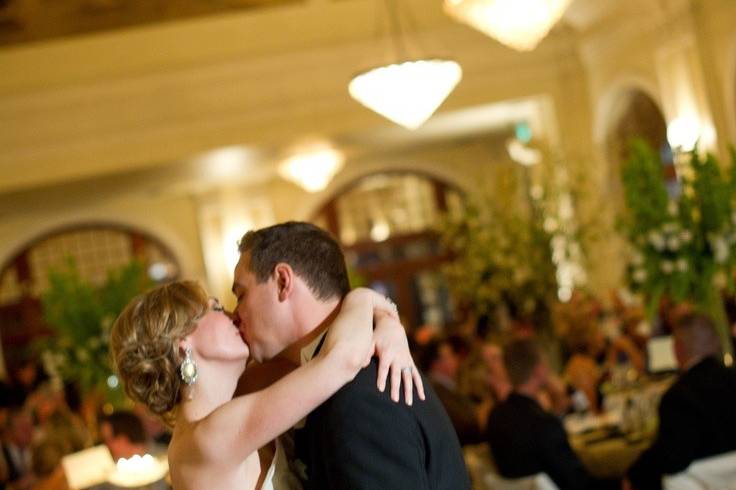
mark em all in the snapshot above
pixel 331 400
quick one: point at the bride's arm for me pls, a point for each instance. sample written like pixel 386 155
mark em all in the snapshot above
pixel 246 423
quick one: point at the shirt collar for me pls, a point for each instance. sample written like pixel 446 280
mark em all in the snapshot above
pixel 307 352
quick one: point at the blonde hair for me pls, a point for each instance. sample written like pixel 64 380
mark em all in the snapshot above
pixel 145 343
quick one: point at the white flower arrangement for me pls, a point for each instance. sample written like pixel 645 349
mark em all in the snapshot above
pixel 682 246
pixel 500 260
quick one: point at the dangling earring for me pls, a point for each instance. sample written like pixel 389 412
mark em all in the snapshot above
pixel 188 368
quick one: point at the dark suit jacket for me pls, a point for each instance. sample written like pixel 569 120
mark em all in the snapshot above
pixel 361 440
pixel 526 440
pixel 696 420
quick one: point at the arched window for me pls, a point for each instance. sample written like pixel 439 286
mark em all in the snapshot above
pixel 636 115
pixel 95 249
pixel 386 225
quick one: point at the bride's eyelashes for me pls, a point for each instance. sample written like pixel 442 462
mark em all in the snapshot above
pixel 216 306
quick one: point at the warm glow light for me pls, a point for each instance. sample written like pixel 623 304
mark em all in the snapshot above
pixel 225 163
pixel 522 154
pixel 313 169
pixel 380 231
pixel 138 471
pixel 407 93
pixel 520 24
pixel 230 240
pixel 683 133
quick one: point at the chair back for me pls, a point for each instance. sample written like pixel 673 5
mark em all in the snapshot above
pixel 714 473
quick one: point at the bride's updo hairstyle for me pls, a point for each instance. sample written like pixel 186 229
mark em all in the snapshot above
pixel 145 343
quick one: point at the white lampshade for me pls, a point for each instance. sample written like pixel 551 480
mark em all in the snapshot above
pixel 407 93
pixel 520 24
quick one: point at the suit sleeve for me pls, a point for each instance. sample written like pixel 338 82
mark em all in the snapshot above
pixel 370 442
pixel 673 450
pixel 560 462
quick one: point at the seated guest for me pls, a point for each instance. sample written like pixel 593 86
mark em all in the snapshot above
pixel 15 449
pixel 524 438
pixel 630 346
pixel 584 370
pixel 441 363
pixel 46 458
pixel 496 377
pixel 124 435
pixel 696 413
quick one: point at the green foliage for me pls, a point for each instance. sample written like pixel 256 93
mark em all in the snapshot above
pixel 81 315
pixel 682 247
pixel 501 258
pixel 644 187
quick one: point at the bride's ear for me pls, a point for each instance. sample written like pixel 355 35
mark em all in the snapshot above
pixel 183 345
pixel 284 276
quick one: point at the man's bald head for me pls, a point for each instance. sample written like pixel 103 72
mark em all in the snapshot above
pixel 695 338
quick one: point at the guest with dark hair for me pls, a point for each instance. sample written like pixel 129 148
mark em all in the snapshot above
pixel 441 362
pixel 696 413
pixel 124 435
pixel 524 438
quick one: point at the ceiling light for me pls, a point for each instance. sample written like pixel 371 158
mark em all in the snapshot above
pixel 520 24
pixel 314 168
pixel 409 90
pixel 407 93
pixel 225 163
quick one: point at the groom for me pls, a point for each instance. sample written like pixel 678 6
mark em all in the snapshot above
pixel 289 283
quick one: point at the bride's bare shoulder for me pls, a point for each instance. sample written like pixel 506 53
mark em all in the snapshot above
pixel 186 446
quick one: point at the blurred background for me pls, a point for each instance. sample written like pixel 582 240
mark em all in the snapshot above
pixel 537 170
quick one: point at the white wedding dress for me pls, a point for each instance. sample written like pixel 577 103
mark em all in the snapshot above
pixel 279 475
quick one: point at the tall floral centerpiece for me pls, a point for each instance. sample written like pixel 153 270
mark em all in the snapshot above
pixel 682 246
pixel 80 315
pixel 500 260
pixel 502 252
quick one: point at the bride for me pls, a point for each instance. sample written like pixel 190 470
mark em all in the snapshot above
pixel 178 352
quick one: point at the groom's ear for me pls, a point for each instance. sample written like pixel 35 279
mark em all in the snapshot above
pixel 284 276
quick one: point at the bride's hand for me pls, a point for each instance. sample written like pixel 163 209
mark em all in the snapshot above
pixel 392 348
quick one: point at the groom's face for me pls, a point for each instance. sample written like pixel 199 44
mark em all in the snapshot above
pixel 259 312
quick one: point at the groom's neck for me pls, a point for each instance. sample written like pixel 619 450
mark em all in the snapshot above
pixel 314 320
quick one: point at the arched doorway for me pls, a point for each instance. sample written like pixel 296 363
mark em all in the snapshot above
pixel 386 222
pixel 636 115
pixel 94 248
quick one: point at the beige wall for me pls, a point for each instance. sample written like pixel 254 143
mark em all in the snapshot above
pixel 171 219
pixel 99 106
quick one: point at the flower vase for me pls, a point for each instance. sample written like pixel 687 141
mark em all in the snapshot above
pixel 712 304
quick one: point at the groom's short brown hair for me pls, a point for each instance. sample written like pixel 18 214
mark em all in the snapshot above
pixel 311 251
